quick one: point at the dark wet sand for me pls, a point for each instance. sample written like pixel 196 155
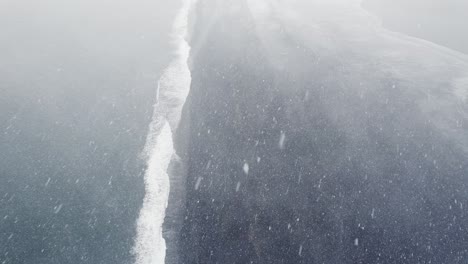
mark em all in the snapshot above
pixel 343 166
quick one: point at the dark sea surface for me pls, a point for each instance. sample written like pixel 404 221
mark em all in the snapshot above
pixel 77 88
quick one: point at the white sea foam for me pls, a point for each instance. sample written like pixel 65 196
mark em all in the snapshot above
pixel 150 246
pixel 173 88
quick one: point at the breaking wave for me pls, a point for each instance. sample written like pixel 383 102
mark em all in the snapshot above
pixel 173 88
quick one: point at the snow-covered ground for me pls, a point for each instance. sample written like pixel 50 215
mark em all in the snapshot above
pixel 436 76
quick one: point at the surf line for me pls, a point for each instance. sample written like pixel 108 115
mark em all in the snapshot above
pixel 173 88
